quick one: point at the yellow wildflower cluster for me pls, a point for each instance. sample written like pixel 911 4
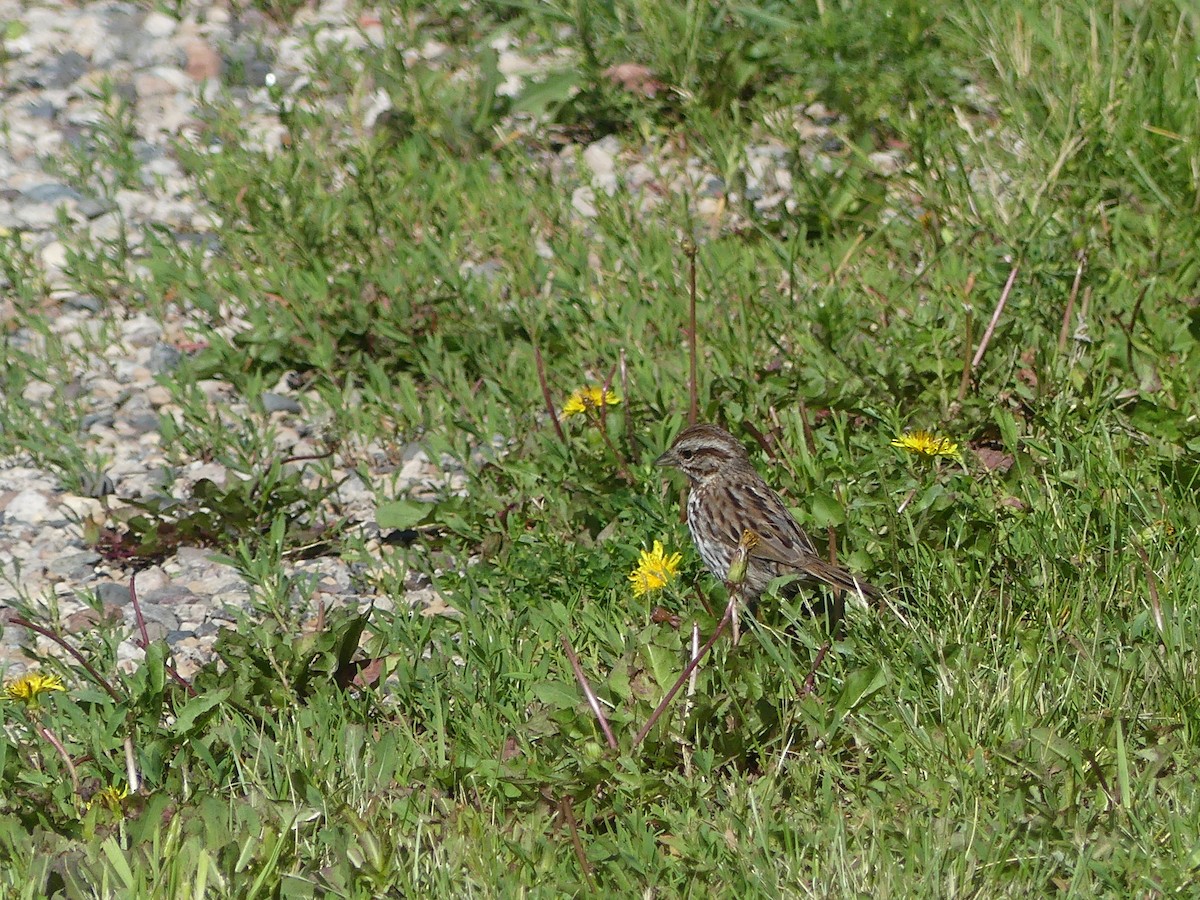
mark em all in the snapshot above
pixel 654 570
pixel 925 444
pixel 588 399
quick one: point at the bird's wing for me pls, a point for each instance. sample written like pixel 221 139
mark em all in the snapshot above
pixel 783 541
pixel 780 537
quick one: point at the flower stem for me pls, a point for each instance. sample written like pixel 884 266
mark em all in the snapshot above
pixel 592 699
pixel 46 732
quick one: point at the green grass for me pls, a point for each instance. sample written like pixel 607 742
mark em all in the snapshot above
pixel 1021 718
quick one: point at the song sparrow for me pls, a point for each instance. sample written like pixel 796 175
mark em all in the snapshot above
pixel 728 497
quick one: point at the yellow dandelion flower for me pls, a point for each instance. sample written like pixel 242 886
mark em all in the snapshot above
pixel 654 570
pixel 587 399
pixel 109 797
pixel 27 688
pixel 925 444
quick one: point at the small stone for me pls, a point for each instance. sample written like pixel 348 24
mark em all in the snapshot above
pixel 600 157
pixel 88 619
pixel 583 201
pixel 51 192
pixel 151 579
pixel 78 566
pixel 37 392
pixel 41 109
pixel 84 303
pixel 171 595
pixel 36 216
pixel 54 255
pixel 141 423
pixel 202 61
pixel 158 396
pixel 62 71
pixel 102 419
pixel 273 402
pixel 85 509
pixel 193 556
pixel 112 593
pixel 96 484
pixel 30 507
pixel 141 331
pixel 159 25
pixel 93 208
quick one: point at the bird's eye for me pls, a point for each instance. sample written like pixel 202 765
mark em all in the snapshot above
pixel 687 454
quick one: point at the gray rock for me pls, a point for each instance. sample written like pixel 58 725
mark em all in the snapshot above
pixel 163 358
pixel 273 402
pixel 171 595
pixel 102 419
pixel 112 593
pixel 78 566
pixel 84 303
pixel 41 109
pixel 30 507
pixel 61 71
pixel 92 208
pixel 153 614
pixel 51 193
pixel 142 422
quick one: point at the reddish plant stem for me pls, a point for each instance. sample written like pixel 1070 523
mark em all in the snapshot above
pixel 541 373
pixel 568 814
pixel 1000 304
pixel 811 681
pixel 44 731
pixel 1066 320
pixel 592 699
pixel 145 640
pixel 601 421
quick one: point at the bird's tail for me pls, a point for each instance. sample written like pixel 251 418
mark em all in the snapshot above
pixel 841 577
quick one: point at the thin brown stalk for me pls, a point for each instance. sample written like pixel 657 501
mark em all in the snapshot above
pixel 1066 319
pixel 145 639
pixel 810 439
pixel 137 611
pixel 1085 304
pixel 52 738
pixel 1152 587
pixel 811 681
pixel 1114 797
pixel 965 381
pixel 634 451
pixel 1133 317
pixel 546 396
pixel 996 313
pixel 600 418
pixel 734 581
pixel 568 814
pixel 592 699
pixel 689 249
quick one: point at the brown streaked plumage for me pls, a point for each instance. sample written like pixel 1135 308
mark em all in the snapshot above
pixel 728 497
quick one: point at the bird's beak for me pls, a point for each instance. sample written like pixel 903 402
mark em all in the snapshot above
pixel 667 459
